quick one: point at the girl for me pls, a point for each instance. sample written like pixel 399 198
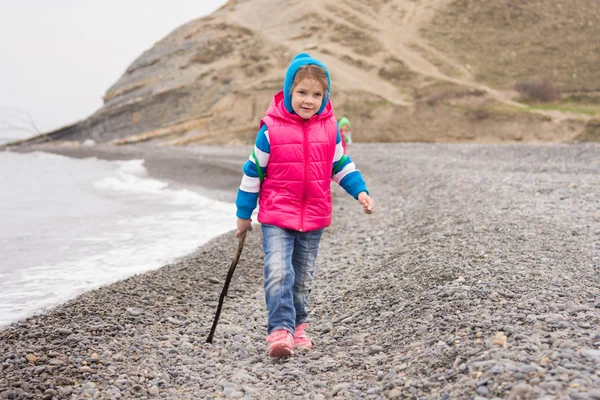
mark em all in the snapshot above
pixel 297 152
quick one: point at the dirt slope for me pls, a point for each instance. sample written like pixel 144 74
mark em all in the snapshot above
pixel 422 70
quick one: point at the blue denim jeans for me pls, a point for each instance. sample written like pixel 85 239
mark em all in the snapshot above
pixel 290 258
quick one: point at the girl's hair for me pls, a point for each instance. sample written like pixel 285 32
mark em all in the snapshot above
pixel 311 71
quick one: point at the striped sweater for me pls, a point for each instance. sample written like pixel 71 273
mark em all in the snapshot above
pixel 344 173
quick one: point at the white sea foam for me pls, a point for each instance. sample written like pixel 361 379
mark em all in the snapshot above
pixel 72 225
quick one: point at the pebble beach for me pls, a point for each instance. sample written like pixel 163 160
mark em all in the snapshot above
pixel 477 277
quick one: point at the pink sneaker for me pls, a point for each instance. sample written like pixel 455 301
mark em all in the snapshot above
pixel 301 341
pixel 281 344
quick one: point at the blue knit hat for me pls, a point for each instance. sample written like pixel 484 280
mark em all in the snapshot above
pixel 299 61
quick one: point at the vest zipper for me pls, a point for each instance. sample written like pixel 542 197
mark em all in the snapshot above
pixel 305 191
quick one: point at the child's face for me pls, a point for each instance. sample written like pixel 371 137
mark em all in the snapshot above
pixel 344 129
pixel 307 97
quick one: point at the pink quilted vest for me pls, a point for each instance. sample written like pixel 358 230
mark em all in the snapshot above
pixel 296 192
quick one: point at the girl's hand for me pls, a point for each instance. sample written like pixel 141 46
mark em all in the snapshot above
pixel 243 225
pixel 367 202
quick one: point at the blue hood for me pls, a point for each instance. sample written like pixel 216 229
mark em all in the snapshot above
pixel 299 61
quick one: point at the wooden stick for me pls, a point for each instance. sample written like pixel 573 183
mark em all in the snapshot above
pixel 234 262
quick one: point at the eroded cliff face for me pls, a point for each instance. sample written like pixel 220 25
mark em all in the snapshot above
pixel 195 81
pixel 394 74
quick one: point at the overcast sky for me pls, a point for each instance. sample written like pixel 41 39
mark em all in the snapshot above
pixel 58 57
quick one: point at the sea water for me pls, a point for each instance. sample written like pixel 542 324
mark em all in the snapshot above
pixel 69 225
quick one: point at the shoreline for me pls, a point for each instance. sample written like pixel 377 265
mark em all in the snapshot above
pixel 166 165
pixel 476 276
pixel 194 168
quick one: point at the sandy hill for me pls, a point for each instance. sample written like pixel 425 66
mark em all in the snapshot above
pixel 402 70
